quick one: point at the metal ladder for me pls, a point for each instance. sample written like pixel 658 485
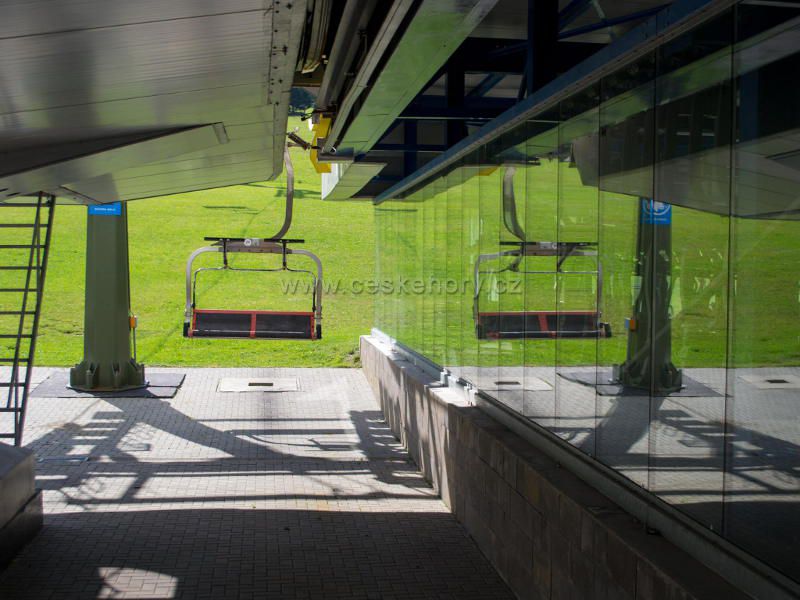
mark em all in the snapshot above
pixel 24 248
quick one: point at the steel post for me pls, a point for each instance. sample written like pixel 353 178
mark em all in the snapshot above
pixel 649 359
pixel 107 363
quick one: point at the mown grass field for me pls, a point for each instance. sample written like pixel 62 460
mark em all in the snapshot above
pixel 741 272
pixel 164 231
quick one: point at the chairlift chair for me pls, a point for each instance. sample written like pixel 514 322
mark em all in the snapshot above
pixel 256 324
pixel 535 324
pixel 261 324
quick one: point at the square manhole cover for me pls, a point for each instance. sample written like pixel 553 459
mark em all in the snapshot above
pixel 134 447
pixel 773 382
pixel 528 384
pixel 258 384
pixel 75 459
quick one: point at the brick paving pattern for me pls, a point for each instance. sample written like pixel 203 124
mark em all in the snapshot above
pixel 283 495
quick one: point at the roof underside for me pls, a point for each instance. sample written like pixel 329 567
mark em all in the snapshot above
pixel 457 65
pixel 103 100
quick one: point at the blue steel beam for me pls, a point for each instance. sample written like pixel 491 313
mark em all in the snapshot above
pixel 506 50
pixel 408 148
pixel 572 11
pixel 435 107
pixel 541 44
pixel 486 85
pixel 637 16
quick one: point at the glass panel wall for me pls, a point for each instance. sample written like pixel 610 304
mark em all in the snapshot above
pixel 693 104
pixel 762 459
pixel 626 179
pixel 510 384
pixel 454 294
pixel 470 239
pixel 577 273
pixel 538 268
pixel 623 269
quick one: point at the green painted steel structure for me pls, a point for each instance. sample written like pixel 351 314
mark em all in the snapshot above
pixel 108 361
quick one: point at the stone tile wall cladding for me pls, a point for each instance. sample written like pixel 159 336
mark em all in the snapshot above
pixel 549 534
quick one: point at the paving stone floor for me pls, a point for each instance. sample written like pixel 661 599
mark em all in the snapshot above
pixel 281 495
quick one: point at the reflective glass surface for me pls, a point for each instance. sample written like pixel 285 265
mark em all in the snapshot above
pixel 623 269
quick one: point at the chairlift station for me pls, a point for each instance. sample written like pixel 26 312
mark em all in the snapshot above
pixel 616 184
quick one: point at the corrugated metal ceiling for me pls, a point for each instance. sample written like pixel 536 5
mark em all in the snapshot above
pixel 107 70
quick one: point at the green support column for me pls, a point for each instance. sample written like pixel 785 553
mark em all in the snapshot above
pixel 649 360
pixel 107 362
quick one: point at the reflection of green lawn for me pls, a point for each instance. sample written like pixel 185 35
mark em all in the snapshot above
pixel 463 219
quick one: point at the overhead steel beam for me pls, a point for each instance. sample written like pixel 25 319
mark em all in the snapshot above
pixel 572 11
pixel 99 157
pixel 409 148
pixel 606 23
pixel 455 88
pixel 83 76
pixel 375 55
pixel 346 44
pixel 346 179
pixel 666 25
pixel 486 85
pixel 433 34
pixel 432 107
pixel 541 46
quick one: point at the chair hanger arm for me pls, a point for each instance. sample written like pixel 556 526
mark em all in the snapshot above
pixel 189 263
pixel 318 286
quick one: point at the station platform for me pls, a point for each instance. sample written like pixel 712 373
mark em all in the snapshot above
pixel 297 493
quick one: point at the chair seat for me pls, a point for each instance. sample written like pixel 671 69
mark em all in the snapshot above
pixel 540 324
pixel 252 324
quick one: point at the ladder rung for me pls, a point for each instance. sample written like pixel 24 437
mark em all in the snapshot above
pixel 21 225
pixel 18 290
pixel 21 246
pixel 13 336
pixel 8 384
pixel 32 268
pixel 10 410
pixel 17 312
pixel 8 435
pixel 11 360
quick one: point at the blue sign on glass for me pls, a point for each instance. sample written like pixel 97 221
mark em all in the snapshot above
pixel 113 209
pixel 656 213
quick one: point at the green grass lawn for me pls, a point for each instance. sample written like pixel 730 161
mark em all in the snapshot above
pixel 437 234
pixel 164 231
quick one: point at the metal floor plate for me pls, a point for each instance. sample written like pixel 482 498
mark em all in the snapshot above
pixel 527 383
pixel 602 382
pixel 160 385
pixel 773 382
pixel 258 384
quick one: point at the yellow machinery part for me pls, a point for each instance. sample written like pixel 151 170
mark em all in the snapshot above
pixel 320 129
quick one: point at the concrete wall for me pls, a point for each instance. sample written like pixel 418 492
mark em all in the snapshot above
pixel 20 501
pixel 547 533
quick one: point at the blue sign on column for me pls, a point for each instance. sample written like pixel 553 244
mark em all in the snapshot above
pixel 656 213
pixel 114 209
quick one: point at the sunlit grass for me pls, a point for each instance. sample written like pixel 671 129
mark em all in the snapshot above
pixel 164 231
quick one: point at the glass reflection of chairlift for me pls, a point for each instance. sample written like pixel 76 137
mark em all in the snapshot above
pixel 535 324
pixel 256 324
